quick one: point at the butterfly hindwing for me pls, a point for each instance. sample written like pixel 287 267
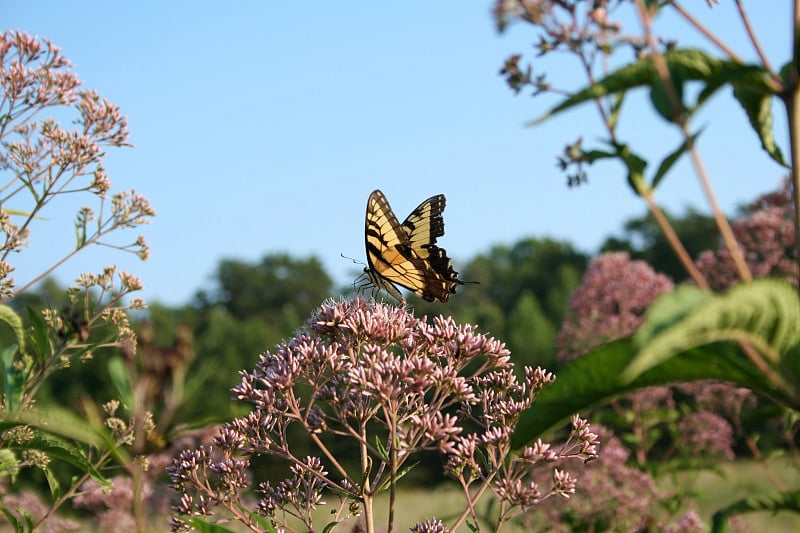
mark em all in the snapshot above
pixel 406 254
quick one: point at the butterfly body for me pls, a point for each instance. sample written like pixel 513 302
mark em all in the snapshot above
pixel 406 254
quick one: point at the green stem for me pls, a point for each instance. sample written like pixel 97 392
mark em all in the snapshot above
pixel 792 102
pixel 366 489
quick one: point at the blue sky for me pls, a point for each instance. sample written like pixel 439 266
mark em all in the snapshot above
pixel 262 127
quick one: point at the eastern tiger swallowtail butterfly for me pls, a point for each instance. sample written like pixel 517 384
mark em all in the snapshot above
pixel 406 254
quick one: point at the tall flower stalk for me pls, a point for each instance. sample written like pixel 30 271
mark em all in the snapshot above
pixel 42 161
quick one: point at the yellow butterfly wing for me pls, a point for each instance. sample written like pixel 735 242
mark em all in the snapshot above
pixel 406 254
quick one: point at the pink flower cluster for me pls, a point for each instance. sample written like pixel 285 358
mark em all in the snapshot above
pixel 766 235
pixel 609 304
pixel 394 385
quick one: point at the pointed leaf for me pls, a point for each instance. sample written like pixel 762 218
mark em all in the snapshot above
pixel 14 321
pixel 263 521
pixel 754 89
pixel 58 421
pixel 205 527
pixel 590 156
pixel 382 453
pixel 731 72
pixel 400 474
pixel 764 312
pixel 613 116
pixel 636 166
pixel 692 64
pixel 758 106
pixel 30 522
pixel 38 336
pixel 596 378
pixel 60 448
pixel 119 377
pixel 12 518
pixel 671 159
pixel 52 483
pixel 329 527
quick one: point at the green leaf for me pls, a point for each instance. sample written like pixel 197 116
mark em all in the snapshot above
pixel 636 166
pixel 205 527
pixel 764 312
pixel 12 518
pixel 14 321
pixel 757 105
pixel 52 483
pixel 668 310
pixel 38 336
pixel 119 377
pixel 731 72
pixel 596 378
pixel 9 464
pixel 57 447
pixel 772 502
pixel 659 96
pixel 690 64
pixel 590 156
pixel 329 527
pixel 13 378
pixel 382 453
pixel 15 522
pixel 400 474
pixel 672 158
pixel 263 522
pixel 751 84
pixel 613 116
pixel 753 88
pixel 20 213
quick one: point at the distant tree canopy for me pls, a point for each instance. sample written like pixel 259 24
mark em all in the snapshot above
pixel 278 286
pixel 248 308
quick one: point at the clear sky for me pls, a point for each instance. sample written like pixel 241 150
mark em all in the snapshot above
pixel 263 126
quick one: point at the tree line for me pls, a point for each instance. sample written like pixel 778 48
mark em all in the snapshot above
pixel 521 299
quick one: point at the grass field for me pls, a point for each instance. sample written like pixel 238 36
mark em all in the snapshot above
pixel 744 479
pixel 711 491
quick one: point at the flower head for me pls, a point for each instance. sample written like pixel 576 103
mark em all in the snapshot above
pixel 395 385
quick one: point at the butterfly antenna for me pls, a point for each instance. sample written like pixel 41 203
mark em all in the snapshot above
pixel 356 261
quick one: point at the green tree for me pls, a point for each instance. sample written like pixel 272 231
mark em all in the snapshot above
pixel 249 309
pixel 279 287
pixel 530 334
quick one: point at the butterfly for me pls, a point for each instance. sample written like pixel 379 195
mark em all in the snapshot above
pixel 406 254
